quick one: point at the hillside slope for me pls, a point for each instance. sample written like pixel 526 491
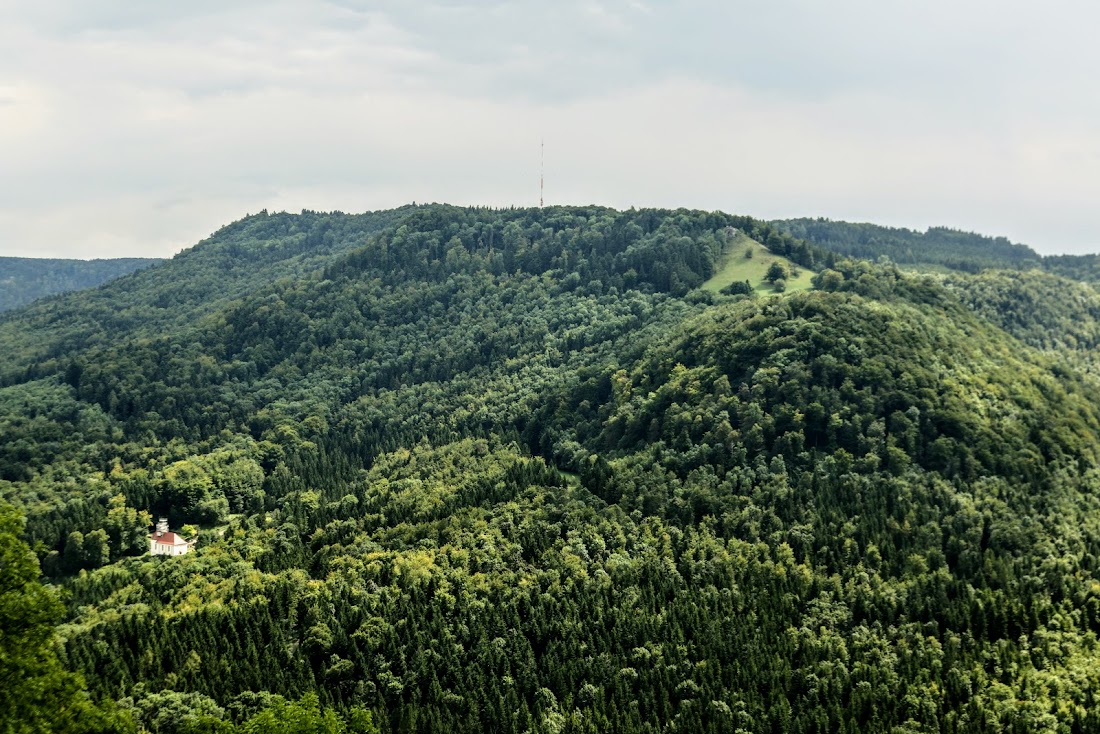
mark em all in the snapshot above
pixel 863 508
pixel 234 261
pixel 747 261
pixel 1047 311
pixel 25 279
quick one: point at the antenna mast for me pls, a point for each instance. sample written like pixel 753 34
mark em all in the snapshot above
pixel 542 168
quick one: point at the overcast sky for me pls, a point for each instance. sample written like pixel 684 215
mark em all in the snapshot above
pixel 136 128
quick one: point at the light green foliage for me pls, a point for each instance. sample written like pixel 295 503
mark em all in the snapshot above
pixel 307 717
pixel 170 712
pixel 238 478
pixel 829 280
pixel 97 551
pixel 127 526
pixel 1045 311
pixel 755 268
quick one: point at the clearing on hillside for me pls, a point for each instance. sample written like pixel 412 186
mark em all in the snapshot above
pixel 737 266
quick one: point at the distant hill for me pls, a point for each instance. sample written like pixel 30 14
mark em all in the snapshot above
pixel 26 279
pixel 237 259
pixel 1077 267
pixel 940 246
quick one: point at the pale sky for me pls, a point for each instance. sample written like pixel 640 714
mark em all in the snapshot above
pixel 136 128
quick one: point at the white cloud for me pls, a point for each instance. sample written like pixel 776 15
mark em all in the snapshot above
pixel 138 129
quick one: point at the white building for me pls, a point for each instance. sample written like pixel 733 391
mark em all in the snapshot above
pixel 166 543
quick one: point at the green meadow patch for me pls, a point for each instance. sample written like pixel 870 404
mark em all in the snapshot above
pixel 747 259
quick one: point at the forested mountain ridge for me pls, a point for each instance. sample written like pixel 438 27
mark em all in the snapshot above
pixel 234 261
pixel 938 248
pixel 26 279
pixel 941 246
pixel 514 470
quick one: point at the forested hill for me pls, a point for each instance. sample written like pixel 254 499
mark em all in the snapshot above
pixel 515 470
pixel 26 279
pixel 949 248
pixel 236 260
pixel 937 247
pixel 1078 267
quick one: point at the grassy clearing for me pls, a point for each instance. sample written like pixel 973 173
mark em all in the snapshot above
pixel 753 269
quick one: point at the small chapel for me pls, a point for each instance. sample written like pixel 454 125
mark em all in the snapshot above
pixel 163 542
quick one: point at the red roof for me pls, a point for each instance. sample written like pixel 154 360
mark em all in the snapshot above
pixel 168 538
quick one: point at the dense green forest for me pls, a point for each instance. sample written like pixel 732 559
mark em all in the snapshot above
pixel 515 470
pixel 936 249
pixel 939 246
pixel 1047 311
pixel 25 279
pixel 1079 267
pixel 239 259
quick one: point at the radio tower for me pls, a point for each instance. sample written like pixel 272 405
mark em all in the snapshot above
pixel 542 168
